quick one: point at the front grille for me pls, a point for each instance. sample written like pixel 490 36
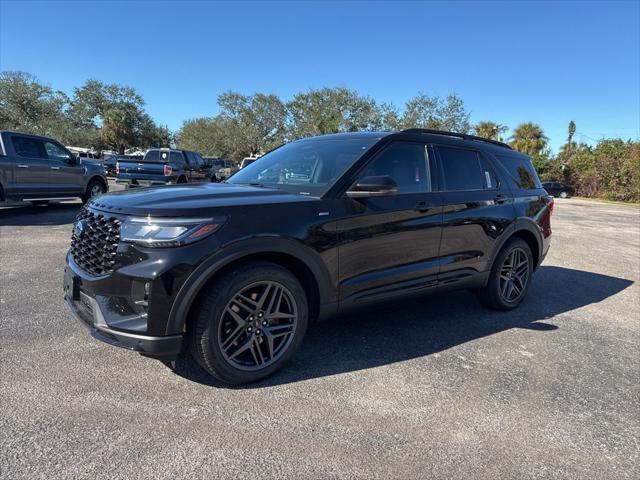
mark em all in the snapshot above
pixel 93 247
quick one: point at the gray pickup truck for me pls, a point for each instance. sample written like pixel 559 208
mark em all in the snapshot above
pixel 39 169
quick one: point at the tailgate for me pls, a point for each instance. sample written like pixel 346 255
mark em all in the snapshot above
pixel 142 168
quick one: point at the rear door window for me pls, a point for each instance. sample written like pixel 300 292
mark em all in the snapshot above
pixel 463 170
pixel 176 157
pixel 28 147
pixel 521 171
pixel 152 156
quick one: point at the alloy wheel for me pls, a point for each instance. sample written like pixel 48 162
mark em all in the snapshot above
pixel 257 325
pixel 514 275
pixel 96 190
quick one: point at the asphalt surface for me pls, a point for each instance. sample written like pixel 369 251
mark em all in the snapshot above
pixel 438 387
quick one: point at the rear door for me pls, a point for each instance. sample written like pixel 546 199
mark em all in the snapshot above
pixel 31 167
pixel 477 211
pixel 390 243
pixel 67 174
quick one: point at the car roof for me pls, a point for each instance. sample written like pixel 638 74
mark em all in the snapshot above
pixel 429 136
pixel 22 134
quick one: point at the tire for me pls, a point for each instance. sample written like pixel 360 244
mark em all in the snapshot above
pixel 229 338
pixel 182 180
pixel 94 189
pixel 38 203
pixel 564 194
pixel 494 294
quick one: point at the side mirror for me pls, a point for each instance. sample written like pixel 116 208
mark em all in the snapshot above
pixel 380 186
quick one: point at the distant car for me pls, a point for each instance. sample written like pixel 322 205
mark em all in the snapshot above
pixel 558 189
pixel 162 166
pixel 221 168
pixel 39 169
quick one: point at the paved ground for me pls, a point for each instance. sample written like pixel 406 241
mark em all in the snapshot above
pixel 434 388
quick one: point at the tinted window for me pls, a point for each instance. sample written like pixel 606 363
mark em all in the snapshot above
pixel 56 152
pixel 152 156
pixel 176 157
pixel 406 163
pixel 27 147
pixel 490 179
pixel 521 171
pixel 462 169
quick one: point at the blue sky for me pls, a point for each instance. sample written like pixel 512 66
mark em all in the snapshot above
pixel 547 62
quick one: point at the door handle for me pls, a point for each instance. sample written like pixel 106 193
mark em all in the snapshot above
pixel 500 198
pixel 22 165
pixel 423 206
pixel 55 168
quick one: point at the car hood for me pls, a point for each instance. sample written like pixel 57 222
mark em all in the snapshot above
pixel 191 199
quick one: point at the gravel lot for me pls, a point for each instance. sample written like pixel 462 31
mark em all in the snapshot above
pixel 438 387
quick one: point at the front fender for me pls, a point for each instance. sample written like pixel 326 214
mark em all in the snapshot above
pixel 236 251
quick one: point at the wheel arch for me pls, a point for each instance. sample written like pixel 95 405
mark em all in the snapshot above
pixel 100 179
pixel 310 273
pixel 529 231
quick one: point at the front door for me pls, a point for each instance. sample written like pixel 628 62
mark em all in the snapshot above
pixel 391 242
pixel 66 172
pixel 31 168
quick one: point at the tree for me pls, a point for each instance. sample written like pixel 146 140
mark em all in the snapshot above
pixel 254 123
pixel 333 110
pixel 29 106
pixel 529 138
pixel 208 136
pixel 424 111
pixel 489 129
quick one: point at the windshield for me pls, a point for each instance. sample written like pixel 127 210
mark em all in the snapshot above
pixel 308 167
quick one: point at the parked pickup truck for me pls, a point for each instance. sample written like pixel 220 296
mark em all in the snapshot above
pixel 39 169
pixel 162 166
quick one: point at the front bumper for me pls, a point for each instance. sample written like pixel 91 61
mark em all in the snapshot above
pixel 99 314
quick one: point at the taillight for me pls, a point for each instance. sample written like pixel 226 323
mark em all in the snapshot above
pixel 117 168
pixel 167 170
pixel 550 203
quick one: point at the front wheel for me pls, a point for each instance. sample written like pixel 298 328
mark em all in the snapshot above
pixel 94 189
pixel 564 194
pixel 510 277
pixel 249 324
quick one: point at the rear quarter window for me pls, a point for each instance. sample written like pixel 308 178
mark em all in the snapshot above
pixel 521 171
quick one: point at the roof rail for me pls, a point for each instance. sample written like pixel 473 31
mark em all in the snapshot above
pixel 459 135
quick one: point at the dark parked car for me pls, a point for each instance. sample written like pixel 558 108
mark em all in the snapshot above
pixel 40 169
pixel 558 189
pixel 162 166
pixel 235 271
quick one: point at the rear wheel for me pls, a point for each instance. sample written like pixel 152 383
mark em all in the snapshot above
pixel 510 277
pixel 564 194
pixel 182 180
pixel 249 323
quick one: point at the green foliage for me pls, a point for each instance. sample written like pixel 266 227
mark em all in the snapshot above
pixel 97 115
pixel 488 129
pixel 529 138
pixel 28 106
pixel 424 111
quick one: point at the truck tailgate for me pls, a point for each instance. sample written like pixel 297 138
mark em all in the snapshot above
pixel 142 168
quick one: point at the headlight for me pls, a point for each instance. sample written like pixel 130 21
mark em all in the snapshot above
pixel 168 232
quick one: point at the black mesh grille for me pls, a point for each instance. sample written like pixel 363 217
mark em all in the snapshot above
pixel 94 249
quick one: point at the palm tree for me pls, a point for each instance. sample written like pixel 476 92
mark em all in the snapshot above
pixel 529 138
pixel 489 129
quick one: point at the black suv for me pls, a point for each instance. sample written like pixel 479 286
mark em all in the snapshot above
pixel 235 271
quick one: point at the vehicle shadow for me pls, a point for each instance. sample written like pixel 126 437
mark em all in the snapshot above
pixel 410 329
pixel 34 215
